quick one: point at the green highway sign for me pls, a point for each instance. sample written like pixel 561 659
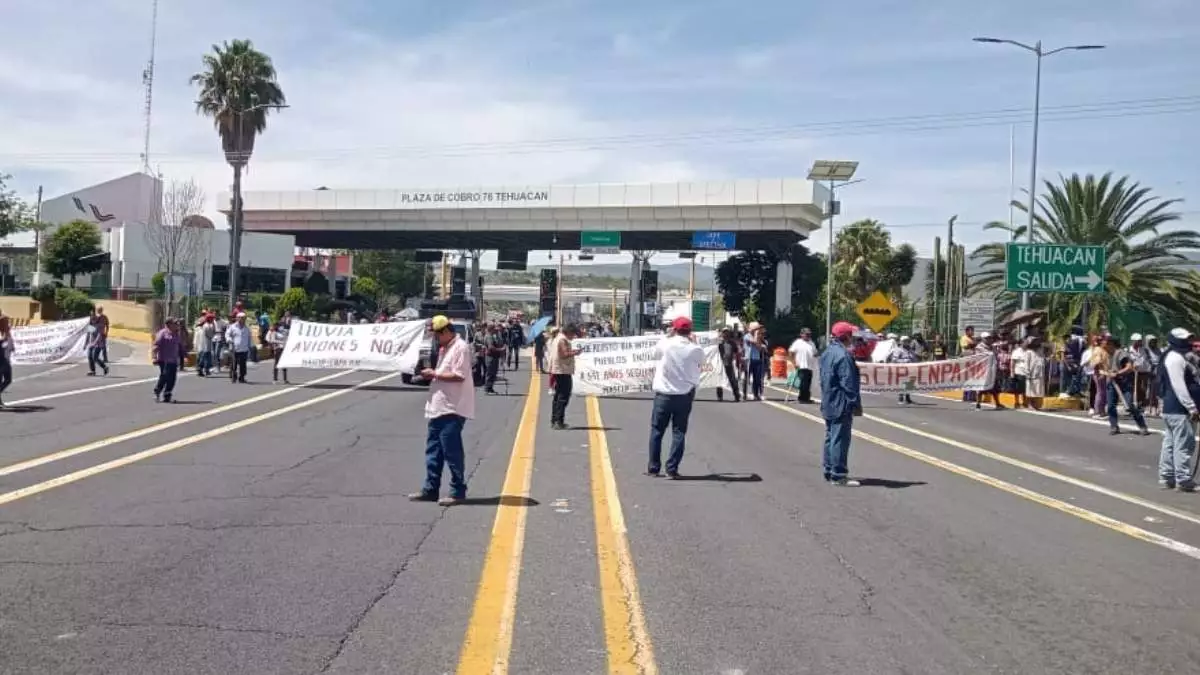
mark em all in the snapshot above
pixel 1054 268
pixel 599 241
pixel 701 314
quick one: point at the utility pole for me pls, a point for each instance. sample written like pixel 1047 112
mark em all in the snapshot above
pixel 613 309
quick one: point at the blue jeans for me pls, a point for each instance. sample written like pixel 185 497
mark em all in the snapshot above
pixel 674 410
pixel 204 361
pixel 755 370
pixel 837 447
pixel 444 446
pixel 1175 461
pixel 1134 410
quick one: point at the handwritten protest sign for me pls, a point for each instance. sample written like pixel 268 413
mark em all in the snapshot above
pixel 54 342
pixel 386 347
pixel 976 372
pixel 622 365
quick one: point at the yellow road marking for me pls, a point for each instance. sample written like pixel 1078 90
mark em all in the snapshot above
pixel 175 445
pixel 488 641
pixel 76 392
pixel 1039 470
pixel 154 428
pixel 628 641
pixel 1036 497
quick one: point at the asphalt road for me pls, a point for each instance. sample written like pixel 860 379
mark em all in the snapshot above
pixel 265 529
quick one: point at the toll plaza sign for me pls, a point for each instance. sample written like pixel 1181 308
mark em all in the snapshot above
pixel 1054 268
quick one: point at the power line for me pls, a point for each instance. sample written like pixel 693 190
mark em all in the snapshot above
pixel 720 136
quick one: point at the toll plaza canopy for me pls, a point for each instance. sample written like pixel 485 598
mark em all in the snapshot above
pixel 649 216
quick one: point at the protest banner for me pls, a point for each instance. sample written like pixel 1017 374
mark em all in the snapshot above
pixel 976 372
pixel 54 342
pixel 623 365
pixel 385 347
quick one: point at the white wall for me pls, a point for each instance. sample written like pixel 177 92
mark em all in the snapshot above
pixel 138 263
pixel 129 199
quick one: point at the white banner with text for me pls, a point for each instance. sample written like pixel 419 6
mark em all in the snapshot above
pixel 385 347
pixel 976 372
pixel 623 365
pixel 54 342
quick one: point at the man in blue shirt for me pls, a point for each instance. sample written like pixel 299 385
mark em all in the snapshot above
pixel 840 403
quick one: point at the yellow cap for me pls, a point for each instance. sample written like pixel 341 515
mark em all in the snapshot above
pixel 439 322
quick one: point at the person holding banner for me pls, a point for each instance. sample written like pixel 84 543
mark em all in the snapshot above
pixel 676 376
pixel 6 356
pixel 841 402
pixel 450 404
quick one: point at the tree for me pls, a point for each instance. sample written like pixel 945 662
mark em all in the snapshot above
pixel 238 89
pixel 397 273
pixel 1146 269
pixel 901 266
pixel 747 282
pixel 296 301
pixel 316 284
pixel 170 236
pixel 15 215
pixel 366 287
pixel 73 249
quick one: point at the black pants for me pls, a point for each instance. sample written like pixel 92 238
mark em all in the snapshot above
pixel 514 356
pixel 278 351
pixel 562 396
pixel 96 358
pixel 167 374
pixel 731 377
pixel 493 368
pixel 539 355
pixel 805 393
pixel 237 371
pixel 6 374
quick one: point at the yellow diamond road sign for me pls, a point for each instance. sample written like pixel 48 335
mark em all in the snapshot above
pixel 878 311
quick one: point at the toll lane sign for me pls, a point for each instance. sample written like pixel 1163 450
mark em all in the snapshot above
pixel 877 311
pixel 1054 268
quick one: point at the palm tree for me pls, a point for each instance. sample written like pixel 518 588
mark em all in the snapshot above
pixel 238 88
pixel 862 253
pixel 1146 270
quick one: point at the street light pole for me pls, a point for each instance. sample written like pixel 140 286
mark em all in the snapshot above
pixel 1040 53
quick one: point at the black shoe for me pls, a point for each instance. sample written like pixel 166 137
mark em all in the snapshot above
pixel 423 496
pixel 672 475
pixel 157 397
pixel 654 473
pixel 1114 432
pixel 1144 432
pixel 167 399
pixel 91 374
pixel 105 370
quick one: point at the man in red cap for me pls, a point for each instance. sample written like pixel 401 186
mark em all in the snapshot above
pixel 676 377
pixel 840 403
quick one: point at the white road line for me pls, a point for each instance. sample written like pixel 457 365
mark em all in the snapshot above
pixel 76 392
pixel 177 444
pixel 154 428
pixel 1050 413
pixel 1013 489
pixel 1039 470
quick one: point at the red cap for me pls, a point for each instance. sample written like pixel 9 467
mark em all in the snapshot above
pixel 843 329
pixel 681 323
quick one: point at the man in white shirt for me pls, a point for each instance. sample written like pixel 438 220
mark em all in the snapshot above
pixel 804 356
pixel 238 338
pixel 451 403
pixel 1020 372
pixel 676 377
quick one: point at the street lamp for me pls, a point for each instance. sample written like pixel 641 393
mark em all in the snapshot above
pixel 833 172
pixel 1040 53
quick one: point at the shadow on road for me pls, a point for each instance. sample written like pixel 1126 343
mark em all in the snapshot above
pixel 890 484
pixel 183 402
pixel 724 477
pixel 594 429
pixel 502 500
pixel 25 408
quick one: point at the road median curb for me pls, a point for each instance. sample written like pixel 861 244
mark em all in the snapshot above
pixel 1048 402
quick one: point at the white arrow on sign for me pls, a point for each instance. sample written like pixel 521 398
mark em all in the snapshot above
pixel 1092 280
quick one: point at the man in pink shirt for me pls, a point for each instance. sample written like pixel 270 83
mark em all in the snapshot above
pixel 451 403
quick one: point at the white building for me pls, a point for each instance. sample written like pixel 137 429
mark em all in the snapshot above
pixel 122 208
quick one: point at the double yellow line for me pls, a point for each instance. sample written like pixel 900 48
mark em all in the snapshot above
pixel 488 644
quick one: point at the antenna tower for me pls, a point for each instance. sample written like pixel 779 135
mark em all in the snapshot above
pixel 148 82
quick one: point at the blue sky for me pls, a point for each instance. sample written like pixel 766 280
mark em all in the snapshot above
pixel 385 94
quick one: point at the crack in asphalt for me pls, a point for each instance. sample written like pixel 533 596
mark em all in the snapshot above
pixel 866 589
pixel 213 627
pixel 310 458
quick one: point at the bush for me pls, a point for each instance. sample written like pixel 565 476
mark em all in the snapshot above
pixel 158 282
pixel 296 301
pixel 366 287
pixel 783 329
pixel 72 304
pixel 263 302
pixel 44 293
